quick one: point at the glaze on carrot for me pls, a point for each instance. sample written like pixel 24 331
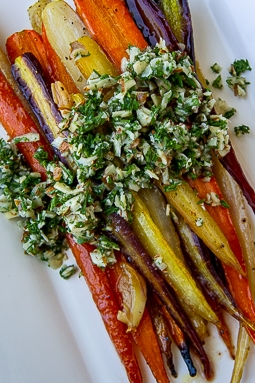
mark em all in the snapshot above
pixel 111 25
pixel 28 41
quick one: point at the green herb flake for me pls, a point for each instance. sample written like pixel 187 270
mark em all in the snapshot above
pixel 216 68
pixel 242 129
pixel 67 271
pixel 229 113
pixel 239 66
pixel 217 83
pixel 238 84
pixel 224 203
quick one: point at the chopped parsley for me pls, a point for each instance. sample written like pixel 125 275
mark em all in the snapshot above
pixel 67 271
pixel 199 222
pixel 217 83
pixel 216 68
pixel 23 195
pixel 239 66
pixel 242 129
pixel 224 203
pixel 229 113
pixel 153 122
pixel 236 82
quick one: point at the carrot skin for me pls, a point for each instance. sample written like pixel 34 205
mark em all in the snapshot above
pixel 147 342
pixel 238 284
pixel 58 70
pixel 230 162
pixel 152 22
pixel 28 41
pixel 105 300
pixel 179 339
pixel 17 122
pixel 111 25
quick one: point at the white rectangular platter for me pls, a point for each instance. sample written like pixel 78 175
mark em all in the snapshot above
pixel 50 330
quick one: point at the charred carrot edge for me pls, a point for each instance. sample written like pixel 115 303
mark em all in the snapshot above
pixel 182 345
pixel 111 25
pixel 28 41
pixel 179 339
pixel 144 336
pixel 17 122
pixel 104 298
pixel 163 335
pixel 238 285
pixel 59 72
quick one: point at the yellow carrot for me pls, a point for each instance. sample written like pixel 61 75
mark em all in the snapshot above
pixel 89 57
pixel 175 271
pixel 188 205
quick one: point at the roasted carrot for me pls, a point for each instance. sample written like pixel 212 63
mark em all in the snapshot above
pixel 28 41
pixel 147 342
pixel 220 214
pixel 111 25
pixel 144 335
pixel 164 338
pixel 58 15
pixel 238 284
pixel 231 163
pixel 17 122
pixel 182 345
pixel 5 68
pixel 136 254
pixel 179 338
pixel 59 72
pixel 104 298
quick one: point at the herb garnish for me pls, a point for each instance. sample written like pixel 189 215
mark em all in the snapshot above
pixel 239 66
pixel 153 122
pixel 242 129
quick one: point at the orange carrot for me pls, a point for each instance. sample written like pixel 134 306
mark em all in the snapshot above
pixel 28 41
pixel 147 342
pixel 17 122
pixel 144 335
pixel 104 298
pixel 111 25
pixel 238 284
